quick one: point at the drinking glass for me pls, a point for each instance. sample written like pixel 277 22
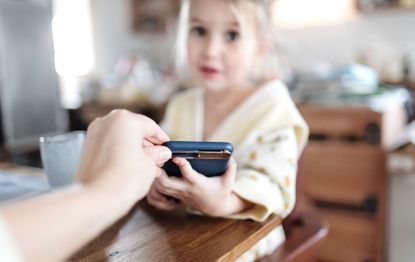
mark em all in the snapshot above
pixel 60 156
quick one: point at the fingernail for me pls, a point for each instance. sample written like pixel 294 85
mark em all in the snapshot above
pixel 165 155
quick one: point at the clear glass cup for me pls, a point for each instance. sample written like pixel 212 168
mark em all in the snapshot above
pixel 60 157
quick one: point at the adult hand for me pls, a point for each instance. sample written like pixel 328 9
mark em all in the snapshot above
pixel 120 159
pixel 122 155
pixel 210 195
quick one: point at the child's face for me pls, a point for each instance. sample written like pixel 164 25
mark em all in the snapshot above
pixel 220 49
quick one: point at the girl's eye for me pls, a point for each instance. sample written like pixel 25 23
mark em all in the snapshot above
pixel 198 31
pixel 232 36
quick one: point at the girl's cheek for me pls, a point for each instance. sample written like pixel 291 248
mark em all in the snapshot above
pixel 191 64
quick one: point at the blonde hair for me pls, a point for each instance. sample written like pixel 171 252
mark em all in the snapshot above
pixel 265 35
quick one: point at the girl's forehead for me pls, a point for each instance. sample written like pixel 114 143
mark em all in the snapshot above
pixel 213 11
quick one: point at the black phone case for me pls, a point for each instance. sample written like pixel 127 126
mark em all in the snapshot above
pixel 208 167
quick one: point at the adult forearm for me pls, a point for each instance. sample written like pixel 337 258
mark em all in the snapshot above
pixel 60 223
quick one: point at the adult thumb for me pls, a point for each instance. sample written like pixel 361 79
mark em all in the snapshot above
pixel 159 154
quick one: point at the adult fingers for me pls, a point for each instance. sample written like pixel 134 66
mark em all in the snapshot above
pixel 147 127
pixel 147 143
pixel 159 154
pixel 150 130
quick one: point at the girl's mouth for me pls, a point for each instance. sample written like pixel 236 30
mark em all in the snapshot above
pixel 209 72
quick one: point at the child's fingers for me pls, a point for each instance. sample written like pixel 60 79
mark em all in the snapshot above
pixel 228 177
pixel 154 196
pixel 186 169
pixel 170 185
pixel 160 201
pixel 166 206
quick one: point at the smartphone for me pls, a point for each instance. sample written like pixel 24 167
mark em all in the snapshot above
pixel 207 158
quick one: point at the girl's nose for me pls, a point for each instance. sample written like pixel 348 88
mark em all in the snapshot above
pixel 213 47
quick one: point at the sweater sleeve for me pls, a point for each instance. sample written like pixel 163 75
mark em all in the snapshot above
pixel 8 249
pixel 169 117
pixel 267 170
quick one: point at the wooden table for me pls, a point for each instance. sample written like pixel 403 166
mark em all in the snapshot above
pixel 147 234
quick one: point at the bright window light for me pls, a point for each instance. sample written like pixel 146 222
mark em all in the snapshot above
pixel 72 37
pixel 305 13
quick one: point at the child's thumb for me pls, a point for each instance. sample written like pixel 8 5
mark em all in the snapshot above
pixel 228 177
pixel 186 169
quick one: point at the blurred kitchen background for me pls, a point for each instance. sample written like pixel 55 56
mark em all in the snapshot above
pixel 350 65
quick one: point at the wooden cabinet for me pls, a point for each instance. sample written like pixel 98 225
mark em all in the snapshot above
pixel 342 172
pixel 352 237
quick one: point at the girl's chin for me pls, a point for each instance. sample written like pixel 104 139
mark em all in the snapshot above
pixel 213 88
pixel 210 85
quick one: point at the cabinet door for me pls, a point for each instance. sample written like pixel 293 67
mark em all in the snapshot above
pixel 343 173
pixel 351 237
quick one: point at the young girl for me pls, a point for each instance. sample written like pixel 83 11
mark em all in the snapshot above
pixel 222 44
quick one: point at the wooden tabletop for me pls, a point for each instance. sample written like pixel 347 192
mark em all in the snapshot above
pixel 147 234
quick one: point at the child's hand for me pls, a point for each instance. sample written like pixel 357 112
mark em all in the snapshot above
pixel 160 200
pixel 210 195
